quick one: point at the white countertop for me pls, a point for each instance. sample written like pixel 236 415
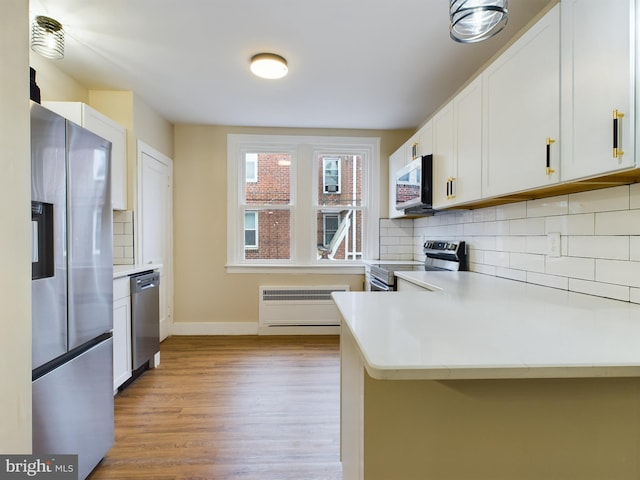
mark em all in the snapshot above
pixel 474 326
pixel 120 271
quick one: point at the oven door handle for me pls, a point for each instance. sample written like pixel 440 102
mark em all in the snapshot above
pixel 379 285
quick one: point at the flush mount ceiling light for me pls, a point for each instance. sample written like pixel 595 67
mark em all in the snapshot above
pixel 269 65
pixel 476 20
pixel 47 37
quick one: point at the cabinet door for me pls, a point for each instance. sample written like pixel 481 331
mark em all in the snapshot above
pixel 121 341
pixel 116 134
pixel 597 78
pixel 396 162
pixel 443 155
pixel 466 183
pixel 425 139
pixel 521 91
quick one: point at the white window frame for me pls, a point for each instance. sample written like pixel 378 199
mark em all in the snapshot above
pixel 304 152
pixel 325 161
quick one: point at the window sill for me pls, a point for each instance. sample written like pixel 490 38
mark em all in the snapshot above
pixel 332 269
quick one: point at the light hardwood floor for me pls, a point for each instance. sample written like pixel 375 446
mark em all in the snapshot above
pixel 231 408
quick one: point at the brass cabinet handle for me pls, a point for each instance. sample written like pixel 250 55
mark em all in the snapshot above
pixel 548 164
pixel 617 117
pixel 414 150
pixel 450 194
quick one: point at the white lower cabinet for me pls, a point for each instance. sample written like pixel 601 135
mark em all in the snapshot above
pixel 121 332
pixel 407 286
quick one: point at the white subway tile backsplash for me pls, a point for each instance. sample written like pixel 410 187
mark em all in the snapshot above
pixel 599 240
pixel 634 248
pixel 607 290
pixel 527 261
pixel 625 222
pixel 545 207
pixel 528 226
pixel 634 196
pixel 548 280
pixel 123 237
pixel 618 272
pixel 602 246
pixel 537 244
pixel 511 211
pixel 511 244
pixel 582 268
pixel 519 275
pixel 583 224
pixel 498 259
pixel 607 199
pixel 485 269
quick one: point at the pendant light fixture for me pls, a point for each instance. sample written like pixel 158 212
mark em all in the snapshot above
pixel 269 65
pixel 476 20
pixel 47 37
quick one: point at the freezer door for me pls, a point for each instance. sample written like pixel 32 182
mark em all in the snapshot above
pixel 48 259
pixel 90 258
pixel 73 408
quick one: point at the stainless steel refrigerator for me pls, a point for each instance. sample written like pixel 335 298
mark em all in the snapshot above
pixel 72 290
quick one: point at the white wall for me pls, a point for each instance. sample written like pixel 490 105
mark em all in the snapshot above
pixel 15 198
pixel 599 233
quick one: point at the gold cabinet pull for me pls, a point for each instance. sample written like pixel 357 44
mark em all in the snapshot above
pixel 414 150
pixel 617 118
pixel 550 141
pixel 450 194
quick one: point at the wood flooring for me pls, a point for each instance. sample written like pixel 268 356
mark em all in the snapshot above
pixel 231 408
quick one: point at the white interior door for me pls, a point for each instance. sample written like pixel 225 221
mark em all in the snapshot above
pixel 155 224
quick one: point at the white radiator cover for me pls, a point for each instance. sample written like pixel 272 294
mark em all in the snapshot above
pixel 299 305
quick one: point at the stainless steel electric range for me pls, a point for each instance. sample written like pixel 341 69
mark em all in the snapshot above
pixel 440 255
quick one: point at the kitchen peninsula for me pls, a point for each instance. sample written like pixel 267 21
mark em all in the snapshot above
pixel 479 377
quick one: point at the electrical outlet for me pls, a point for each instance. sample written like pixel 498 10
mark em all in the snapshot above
pixel 553 244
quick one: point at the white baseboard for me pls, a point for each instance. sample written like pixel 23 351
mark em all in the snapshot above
pixel 299 330
pixel 214 328
pixel 247 328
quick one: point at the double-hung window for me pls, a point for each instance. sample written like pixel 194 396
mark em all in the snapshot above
pixel 300 201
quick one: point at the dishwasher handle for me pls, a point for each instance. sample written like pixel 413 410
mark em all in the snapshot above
pixel 144 281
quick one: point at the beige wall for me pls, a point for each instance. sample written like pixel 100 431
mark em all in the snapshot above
pixel 204 292
pixel 15 235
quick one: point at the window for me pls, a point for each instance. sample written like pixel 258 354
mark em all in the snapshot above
pixel 251 167
pixel 331 175
pixel 330 223
pixel 296 201
pixel 250 230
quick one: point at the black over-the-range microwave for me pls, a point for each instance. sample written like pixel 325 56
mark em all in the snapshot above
pixel 414 190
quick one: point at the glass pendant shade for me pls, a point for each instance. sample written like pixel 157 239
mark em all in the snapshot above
pixel 269 65
pixel 47 37
pixel 476 20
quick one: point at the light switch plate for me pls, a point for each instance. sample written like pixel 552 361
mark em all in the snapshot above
pixel 553 244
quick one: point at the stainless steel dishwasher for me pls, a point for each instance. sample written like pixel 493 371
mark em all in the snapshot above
pixel 145 317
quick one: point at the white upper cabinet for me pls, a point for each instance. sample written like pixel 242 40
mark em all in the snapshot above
pixel 101 125
pixel 396 162
pixel 457 145
pixel 444 162
pixel 598 52
pixel 420 143
pixel 521 111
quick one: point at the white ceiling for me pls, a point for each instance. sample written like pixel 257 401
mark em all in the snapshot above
pixel 371 64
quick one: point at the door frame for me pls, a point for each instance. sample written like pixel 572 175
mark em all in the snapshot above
pixel 167 267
